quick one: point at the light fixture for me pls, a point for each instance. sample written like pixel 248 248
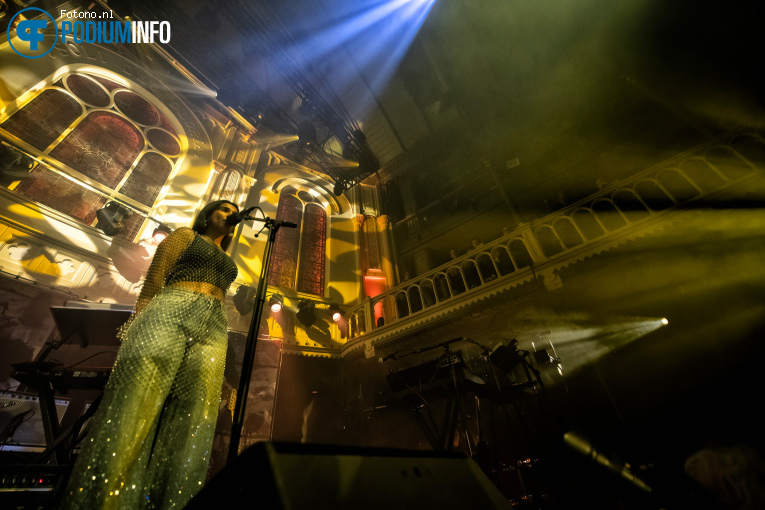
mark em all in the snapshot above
pixel 111 217
pixel 305 313
pixel 340 187
pixel 336 311
pixel 14 165
pixel 276 302
pixel 664 321
pixel 161 233
pixel 307 133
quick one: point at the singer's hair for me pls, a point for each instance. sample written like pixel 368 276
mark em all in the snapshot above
pixel 200 223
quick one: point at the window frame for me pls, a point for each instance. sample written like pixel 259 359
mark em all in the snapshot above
pixel 54 165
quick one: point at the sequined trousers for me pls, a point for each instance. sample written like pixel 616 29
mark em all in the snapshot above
pixel 150 443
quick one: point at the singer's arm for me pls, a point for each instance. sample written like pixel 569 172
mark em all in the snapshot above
pixel 166 256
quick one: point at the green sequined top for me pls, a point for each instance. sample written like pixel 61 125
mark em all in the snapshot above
pixel 185 256
pixel 203 262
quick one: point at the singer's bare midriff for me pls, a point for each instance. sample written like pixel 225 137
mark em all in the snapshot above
pixel 201 288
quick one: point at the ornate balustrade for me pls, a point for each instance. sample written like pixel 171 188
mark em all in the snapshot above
pixel 607 218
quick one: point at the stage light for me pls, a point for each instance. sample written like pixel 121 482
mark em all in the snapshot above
pixel 14 165
pixel 244 299
pixel 339 187
pixel 305 313
pixel 276 303
pixel 161 233
pixel 307 133
pixel 336 311
pixel 110 218
pixel 664 321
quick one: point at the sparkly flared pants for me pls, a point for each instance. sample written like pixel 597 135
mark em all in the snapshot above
pixel 150 443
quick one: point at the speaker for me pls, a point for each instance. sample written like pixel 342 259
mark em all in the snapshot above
pixel 21 425
pixel 296 476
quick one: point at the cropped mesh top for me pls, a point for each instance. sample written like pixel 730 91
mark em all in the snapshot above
pixel 186 256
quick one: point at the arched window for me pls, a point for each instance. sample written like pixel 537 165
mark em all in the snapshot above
pixel 297 260
pixel 104 134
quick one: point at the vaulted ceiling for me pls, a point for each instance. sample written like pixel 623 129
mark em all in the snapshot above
pixel 575 91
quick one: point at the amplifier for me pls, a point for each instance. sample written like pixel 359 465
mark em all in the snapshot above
pixel 21 425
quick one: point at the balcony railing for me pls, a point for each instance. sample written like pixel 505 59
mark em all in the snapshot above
pixel 605 218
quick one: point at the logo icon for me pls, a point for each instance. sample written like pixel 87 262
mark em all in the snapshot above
pixel 31 31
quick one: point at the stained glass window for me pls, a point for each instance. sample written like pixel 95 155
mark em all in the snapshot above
pixel 297 260
pixel 103 133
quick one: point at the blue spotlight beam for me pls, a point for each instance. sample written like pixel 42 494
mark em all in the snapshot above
pixel 385 29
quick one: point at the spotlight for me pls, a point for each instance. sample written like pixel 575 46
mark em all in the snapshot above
pixel 276 302
pixel 305 313
pixel 244 299
pixel 336 311
pixel 664 321
pixel 340 187
pixel 111 216
pixel 14 165
pixel 161 233
pixel 307 133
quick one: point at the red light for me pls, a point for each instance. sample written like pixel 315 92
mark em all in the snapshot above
pixel 41 480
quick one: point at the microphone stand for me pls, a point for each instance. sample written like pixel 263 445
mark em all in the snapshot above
pixel 252 335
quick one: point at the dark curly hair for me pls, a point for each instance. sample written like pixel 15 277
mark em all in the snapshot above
pixel 200 223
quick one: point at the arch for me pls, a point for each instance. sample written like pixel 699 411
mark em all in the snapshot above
pixel 752 148
pixel 677 184
pixel 728 161
pixel 520 254
pixel 549 242
pixel 286 176
pixel 588 224
pixel 486 267
pixel 502 260
pixel 456 282
pixel 441 285
pixel 631 206
pixel 428 293
pixel 701 174
pixel 567 232
pixel 84 120
pixel 357 324
pixel 470 272
pixel 608 215
pixel 402 305
pixel 415 299
pixel 651 194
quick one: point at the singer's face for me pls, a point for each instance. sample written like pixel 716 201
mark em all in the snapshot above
pixel 218 219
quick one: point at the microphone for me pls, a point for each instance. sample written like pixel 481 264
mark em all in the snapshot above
pixel 237 218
